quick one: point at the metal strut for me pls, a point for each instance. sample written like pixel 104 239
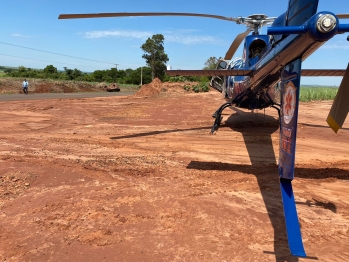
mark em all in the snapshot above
pixel 278 109
pixel 274 105
pixel 218 116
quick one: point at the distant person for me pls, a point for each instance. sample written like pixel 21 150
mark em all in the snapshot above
pixel 25 86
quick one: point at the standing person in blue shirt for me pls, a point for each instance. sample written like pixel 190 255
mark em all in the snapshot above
pixel 25 86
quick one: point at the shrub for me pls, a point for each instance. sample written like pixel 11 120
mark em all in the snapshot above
pixel 186 88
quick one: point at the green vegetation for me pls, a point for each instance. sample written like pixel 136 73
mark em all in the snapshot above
pixel 155 56
pixel 201 87
pixel 309 93
pixel 181 79
pixel 128 76
pixel 211 63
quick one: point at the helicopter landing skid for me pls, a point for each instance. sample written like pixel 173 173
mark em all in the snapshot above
pixel 218 116
pixel 277 108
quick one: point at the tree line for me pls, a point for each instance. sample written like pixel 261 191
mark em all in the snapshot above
pixel 154 55
pixel 128 76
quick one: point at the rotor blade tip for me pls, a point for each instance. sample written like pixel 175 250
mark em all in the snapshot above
pixel 333 124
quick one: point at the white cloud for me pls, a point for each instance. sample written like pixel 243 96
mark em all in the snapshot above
pixel 181 31
pixel 190 39
pixel 337 45
pixel 183 36
pixel 119 34
pixel 19 35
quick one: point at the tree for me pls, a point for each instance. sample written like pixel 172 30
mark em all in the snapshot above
pixel 211 63
pixel 69 73
pixel 154 55
pixel 76 73
pixel 98 75
pixel 50 69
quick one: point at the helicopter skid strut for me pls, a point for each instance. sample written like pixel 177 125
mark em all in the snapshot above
pixel 218 116
pixel 277 108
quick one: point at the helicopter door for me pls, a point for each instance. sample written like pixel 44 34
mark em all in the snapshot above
pixel 216 81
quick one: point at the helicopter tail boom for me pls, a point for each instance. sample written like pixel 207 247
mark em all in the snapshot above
pixel 290 86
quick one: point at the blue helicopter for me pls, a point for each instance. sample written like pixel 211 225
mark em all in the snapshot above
pixel 268 75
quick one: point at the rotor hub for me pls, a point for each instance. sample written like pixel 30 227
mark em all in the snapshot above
pixel 256 21
pixel 258 17
pixel 326 23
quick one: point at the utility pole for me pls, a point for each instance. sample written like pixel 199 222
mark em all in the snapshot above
pixel 116 67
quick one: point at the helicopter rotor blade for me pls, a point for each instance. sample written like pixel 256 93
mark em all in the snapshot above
pixel 125 14
pixel 340 106
pixel 342 16
pixel 236 43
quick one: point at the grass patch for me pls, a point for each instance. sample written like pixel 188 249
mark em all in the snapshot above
pixel 308 94
pixel 201 87
pixel 129 87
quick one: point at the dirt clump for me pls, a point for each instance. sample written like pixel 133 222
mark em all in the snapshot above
pixel 151 89
pixel 113 88
pixel 157 87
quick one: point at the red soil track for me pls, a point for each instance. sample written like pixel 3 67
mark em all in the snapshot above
pixel 141 179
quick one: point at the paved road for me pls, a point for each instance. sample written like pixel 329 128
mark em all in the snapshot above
pixel 21 97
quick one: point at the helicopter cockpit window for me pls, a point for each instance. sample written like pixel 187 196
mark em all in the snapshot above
pixel 222 65
pixel 256 48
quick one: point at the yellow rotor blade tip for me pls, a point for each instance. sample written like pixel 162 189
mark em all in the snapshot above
pixel 332 123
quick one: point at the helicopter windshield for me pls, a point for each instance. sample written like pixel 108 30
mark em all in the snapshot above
pixel 236 63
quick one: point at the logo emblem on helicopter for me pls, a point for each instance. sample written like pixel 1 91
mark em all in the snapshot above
pixel 289 102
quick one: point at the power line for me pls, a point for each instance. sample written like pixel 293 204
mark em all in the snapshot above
pixel 56 53
pixel 46 61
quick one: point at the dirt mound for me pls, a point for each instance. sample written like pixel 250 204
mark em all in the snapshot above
pixel 151 89
pixel 156 87
pixel 14 86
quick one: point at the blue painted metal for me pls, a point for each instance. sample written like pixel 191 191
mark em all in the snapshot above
pixel 294 235
pixel 309 27
pixel 314 32
pixel 290 85
pixel 300 11
pixel 248 60
pixel 343 28
pixel 280 21
pixel 286 30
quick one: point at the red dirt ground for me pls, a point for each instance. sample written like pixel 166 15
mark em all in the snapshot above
pixel 141 179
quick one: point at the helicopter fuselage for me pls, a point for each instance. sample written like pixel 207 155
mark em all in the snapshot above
pixel 266 56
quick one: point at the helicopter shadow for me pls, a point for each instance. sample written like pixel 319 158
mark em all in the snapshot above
pixel 320 126
pixel 256 130
pixel 152 133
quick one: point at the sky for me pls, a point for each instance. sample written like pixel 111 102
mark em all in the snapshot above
pixel 31 25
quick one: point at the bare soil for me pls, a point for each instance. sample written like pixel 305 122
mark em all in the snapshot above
pixel 36 86
pixel 140 178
